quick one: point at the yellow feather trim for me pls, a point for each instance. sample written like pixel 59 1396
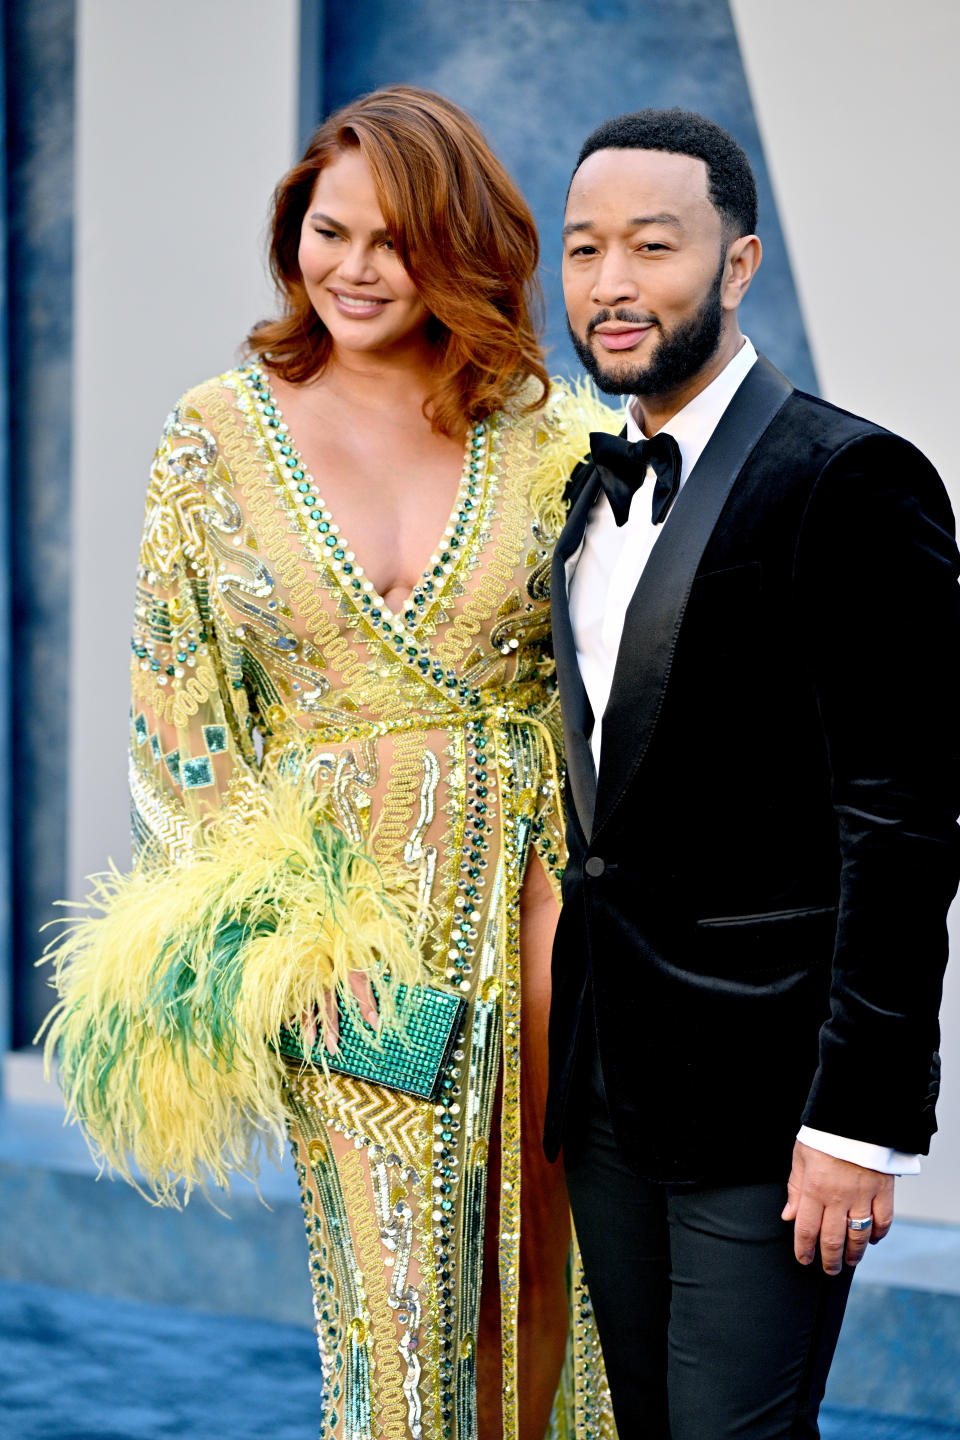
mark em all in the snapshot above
pixel 563 439
pixel 174 984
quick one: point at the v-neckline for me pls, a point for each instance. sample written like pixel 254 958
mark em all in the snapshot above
pixel 331 544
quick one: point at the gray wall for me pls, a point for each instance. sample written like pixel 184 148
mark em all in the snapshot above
pixel 859 110
pixel 186 119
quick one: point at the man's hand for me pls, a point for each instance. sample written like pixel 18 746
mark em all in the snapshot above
pixel 823 1194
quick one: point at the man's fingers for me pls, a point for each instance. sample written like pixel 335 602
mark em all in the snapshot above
pixel 806 1230
pixel 857 1240
pixel 794 1190
pixel 882 1209
pixel 833 1239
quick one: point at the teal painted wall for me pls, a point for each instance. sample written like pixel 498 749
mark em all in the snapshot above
pixel 38 68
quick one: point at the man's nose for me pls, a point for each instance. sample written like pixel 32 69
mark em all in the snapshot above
pixel 613 283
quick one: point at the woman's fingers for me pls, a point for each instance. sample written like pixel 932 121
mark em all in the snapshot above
pixel 364 996
pixel 363 993
pixel 308 1030
pixel 331 1023
pixel 309 1020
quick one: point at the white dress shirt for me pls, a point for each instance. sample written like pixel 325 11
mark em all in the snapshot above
pixel 602 575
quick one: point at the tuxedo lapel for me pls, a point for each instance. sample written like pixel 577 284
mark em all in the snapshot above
pixel 574 705
pixel 656 610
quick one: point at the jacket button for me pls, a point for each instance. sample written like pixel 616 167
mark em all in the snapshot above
pixel 594 866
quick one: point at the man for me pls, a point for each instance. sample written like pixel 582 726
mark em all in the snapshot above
pixel 757 630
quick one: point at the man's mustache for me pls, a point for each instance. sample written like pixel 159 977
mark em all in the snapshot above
pixel 625 317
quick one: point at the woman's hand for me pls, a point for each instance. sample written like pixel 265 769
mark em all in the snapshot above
pixel 363 993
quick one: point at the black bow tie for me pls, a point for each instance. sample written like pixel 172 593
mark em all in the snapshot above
pixel 622 466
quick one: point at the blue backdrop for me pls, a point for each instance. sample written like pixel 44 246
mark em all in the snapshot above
pixel 539 75
pixel 5 948
pixel 38 71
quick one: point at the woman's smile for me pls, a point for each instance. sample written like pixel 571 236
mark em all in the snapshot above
pixel 358 307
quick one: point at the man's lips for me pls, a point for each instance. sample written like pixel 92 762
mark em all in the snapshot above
pixel 621 339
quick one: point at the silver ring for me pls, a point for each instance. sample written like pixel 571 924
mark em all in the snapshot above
pixel 863 1224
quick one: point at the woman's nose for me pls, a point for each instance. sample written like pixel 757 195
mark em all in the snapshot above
pixel 357 266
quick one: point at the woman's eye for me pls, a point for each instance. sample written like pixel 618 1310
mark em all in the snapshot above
pixel 327 234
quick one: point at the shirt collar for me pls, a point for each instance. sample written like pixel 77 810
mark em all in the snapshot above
pixel 692 426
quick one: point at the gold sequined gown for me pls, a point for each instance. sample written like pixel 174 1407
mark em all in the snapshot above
pixel 435 730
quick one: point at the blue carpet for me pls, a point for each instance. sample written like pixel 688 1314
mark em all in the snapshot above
pixel 86 1367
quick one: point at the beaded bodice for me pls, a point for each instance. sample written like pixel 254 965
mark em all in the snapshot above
pixel 257 627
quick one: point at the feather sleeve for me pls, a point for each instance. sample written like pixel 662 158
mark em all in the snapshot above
pixel 246 905
pixel 573 410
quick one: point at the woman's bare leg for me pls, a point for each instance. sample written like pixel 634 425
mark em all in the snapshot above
pixel 545 1216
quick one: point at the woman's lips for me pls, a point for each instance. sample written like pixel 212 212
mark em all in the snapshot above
pixel 358 308
pixel 622 339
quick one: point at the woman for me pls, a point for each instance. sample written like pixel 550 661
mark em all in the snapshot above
pixel 398 404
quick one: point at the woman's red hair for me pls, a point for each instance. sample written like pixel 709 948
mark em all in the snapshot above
pixel 463 233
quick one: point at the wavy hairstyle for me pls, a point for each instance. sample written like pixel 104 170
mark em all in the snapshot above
pixel 463 233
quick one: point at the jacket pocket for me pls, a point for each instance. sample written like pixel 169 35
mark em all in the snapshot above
pixel 767 916
pixel 749 574
pixel 769 946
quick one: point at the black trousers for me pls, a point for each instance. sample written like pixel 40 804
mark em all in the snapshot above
pixel 710 1328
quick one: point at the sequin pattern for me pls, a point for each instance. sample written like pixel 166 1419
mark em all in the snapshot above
pixel 434 730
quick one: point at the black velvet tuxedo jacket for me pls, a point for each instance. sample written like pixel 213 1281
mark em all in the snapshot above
pixel 755 902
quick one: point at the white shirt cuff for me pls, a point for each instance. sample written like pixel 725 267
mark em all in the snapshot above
pixel 860 1152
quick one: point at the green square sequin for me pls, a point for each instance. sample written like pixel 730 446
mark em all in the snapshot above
pixel 173 765
pixel 140 729
pixel 216 738
pixel 196 773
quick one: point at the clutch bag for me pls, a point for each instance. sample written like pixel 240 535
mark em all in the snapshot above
pixel 410 1056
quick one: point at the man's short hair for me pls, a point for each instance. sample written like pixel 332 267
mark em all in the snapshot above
pixel 732 187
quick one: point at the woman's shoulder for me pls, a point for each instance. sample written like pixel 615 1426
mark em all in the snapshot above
pixel 211 399
pixel 560 438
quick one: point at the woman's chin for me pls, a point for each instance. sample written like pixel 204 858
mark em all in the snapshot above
pixel 377 340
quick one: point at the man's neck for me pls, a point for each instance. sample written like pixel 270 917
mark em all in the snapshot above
pixel 653 412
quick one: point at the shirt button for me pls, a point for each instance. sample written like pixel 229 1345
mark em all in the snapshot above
pixel 594 867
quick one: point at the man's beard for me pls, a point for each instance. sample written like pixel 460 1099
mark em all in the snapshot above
pixel 681 354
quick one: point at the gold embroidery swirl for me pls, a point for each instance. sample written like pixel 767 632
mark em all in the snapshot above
pixel 389 1387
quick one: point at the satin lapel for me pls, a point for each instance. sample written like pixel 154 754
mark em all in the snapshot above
pixel 574 705
pixel 656 610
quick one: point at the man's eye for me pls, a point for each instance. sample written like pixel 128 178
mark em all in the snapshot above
pixel 584 250
pixel 650 245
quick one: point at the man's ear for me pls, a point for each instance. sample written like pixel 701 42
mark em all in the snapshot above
pixel 743 260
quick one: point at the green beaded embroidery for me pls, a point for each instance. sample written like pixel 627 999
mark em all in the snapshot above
pixel 410 1056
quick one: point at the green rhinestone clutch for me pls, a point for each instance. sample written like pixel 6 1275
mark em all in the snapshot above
pixel 410 1057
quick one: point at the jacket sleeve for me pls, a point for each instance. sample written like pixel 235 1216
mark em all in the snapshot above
pixel 191 746
pixel 878 608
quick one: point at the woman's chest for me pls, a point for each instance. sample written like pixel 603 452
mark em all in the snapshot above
pixel 304 597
